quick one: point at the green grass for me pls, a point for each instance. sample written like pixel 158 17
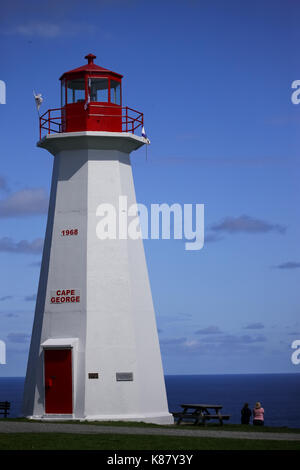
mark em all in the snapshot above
pixel 209 426
pixel 61 441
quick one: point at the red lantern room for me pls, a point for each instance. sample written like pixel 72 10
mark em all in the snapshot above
pixel 91 100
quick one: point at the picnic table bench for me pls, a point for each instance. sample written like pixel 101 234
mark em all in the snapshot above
pixel 200 413
pixel 4 408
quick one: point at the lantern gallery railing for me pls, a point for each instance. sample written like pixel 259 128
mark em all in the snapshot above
pixel 51 121
pixel 54 120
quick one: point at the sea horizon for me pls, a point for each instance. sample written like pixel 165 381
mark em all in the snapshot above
pixel 192 374
pixel 278 393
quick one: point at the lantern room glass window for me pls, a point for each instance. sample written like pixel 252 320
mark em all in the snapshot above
pixel 115 92
pixel 63 93
pixel 98 89
pixel 76 91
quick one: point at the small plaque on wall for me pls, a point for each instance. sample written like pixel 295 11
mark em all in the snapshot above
pixel 93 375
pixel 124 376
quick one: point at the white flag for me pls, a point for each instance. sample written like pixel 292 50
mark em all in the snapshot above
pixel 145 135
pixel 38 99
pixel 89 94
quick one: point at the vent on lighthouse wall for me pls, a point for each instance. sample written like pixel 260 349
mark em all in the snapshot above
pixel 124 376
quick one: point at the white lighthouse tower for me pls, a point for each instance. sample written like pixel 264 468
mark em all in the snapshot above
pixel 94 351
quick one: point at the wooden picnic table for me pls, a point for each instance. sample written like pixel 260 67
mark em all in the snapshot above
pixel 200 413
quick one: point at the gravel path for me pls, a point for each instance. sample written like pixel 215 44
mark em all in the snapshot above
pixel 7 426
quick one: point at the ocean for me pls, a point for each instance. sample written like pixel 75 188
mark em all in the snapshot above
pixel 278 393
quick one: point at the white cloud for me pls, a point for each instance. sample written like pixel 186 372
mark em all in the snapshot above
pixel 35 264
pixel 210 330
pixel 5 297
pixel 24 202
pixel 212 237
pixel 3 183
pixel 234 339
pixel 50 30
pixel 30 298
pixel 254 326
pixel 246 224
pixel 7 245
pixel 209 344
pixel 18 337
pixel 289 265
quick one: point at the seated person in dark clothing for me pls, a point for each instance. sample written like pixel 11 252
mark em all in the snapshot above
pixel 245 414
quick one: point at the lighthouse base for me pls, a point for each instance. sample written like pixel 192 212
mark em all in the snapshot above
pixel 160 418
pixel 155 418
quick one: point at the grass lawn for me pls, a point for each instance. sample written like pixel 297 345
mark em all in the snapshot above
pixel 208 426
pixel 61 441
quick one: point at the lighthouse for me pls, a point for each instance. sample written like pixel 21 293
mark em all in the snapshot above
pixel 94 352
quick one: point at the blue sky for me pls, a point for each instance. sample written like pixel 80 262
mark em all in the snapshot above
pixel 213 79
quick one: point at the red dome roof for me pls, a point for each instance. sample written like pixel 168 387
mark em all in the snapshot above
pixel 90 68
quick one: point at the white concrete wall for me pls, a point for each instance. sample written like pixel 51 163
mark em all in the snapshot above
pixel 63 267
pixel 114 321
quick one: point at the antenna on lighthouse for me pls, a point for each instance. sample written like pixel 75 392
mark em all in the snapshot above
pixel 148 141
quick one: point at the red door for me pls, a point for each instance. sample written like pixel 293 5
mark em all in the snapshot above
pixel 58 381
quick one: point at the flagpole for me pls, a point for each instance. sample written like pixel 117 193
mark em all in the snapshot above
pixel 38 113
